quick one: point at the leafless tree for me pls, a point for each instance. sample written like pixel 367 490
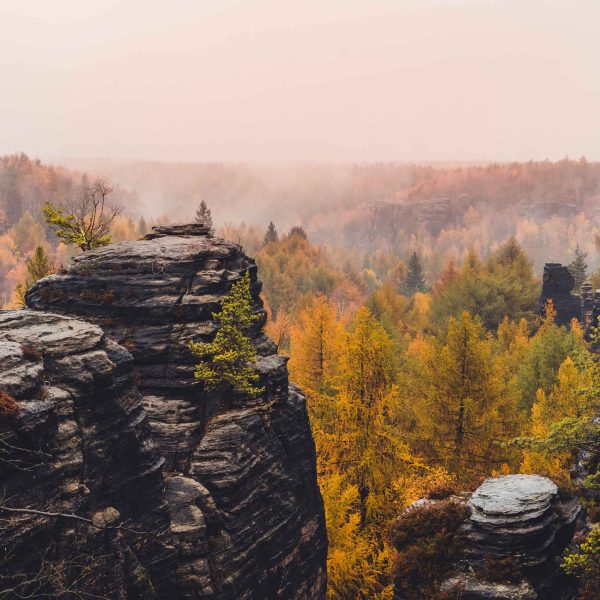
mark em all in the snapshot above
pixel 85 221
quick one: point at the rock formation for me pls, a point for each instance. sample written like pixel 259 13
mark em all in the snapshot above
pixel 521 519
pixel 557 286
pixel 519 516
pixel 247 516
pixel 80 445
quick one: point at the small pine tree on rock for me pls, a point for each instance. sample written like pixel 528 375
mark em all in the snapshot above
pixel 38 266
pixel 578 268
pixel 204 215
pixel 226 361
pixel 415 281
pixel 271 234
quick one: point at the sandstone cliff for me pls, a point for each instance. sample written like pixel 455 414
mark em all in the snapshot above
pixel 80 445
pixel 246 515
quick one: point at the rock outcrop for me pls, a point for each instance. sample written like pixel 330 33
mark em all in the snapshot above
pixel 521 516
pixel 521 520
pixel 79 446
pixel 247 516
pixel 557 285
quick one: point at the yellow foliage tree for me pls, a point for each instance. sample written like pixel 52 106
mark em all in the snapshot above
pixel 564 401
pixel 456 393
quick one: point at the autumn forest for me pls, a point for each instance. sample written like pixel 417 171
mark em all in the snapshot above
pixel 406 297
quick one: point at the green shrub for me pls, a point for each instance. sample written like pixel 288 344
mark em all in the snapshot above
pixel 584 564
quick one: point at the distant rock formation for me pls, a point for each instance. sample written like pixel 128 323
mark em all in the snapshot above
pixel 521 519
pixel 558 284
pixel 247 518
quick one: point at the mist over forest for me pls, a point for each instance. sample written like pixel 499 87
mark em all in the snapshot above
pixel 442 210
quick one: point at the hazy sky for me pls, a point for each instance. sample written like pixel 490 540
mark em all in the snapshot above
pixel 300 79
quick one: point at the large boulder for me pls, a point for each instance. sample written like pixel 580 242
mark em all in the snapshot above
pixel 519 516
pixel 519 523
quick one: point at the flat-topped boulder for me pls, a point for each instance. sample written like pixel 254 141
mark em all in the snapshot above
pixel 512 498
pixel 513 538
pixel 189 229
pixel 518 516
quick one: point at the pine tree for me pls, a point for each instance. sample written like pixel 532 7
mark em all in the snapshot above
pixel 578 268
pixel 458 399
pixel 563 402
pixel 415 281
pixel 562 419
pixel 271 234
pixel 228 358
pixel 204 215
pixel 368 410
pixel 316 346
pixel 38 266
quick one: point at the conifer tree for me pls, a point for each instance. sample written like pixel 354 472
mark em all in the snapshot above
pixel 368 412
pixel 563 419
pixel 271 234
pixel 316 346
pixel 38 266
pixel 578 268
pixel 228 358
pixel 563 402
pixel 459 403
pixel 415 281
pixel 204 215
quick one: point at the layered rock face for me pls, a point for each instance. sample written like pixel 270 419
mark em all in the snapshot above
pixel 520 518
pixel 247 515
pixel 83 507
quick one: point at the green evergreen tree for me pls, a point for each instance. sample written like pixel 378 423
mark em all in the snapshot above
pixel 271 234
pixel 226 361
pixel 204 215
pixel 415 281
pixel 38 266
pixel 578 268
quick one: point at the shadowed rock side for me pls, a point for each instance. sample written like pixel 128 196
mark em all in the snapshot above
pixel 79 444
pixel 247 515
